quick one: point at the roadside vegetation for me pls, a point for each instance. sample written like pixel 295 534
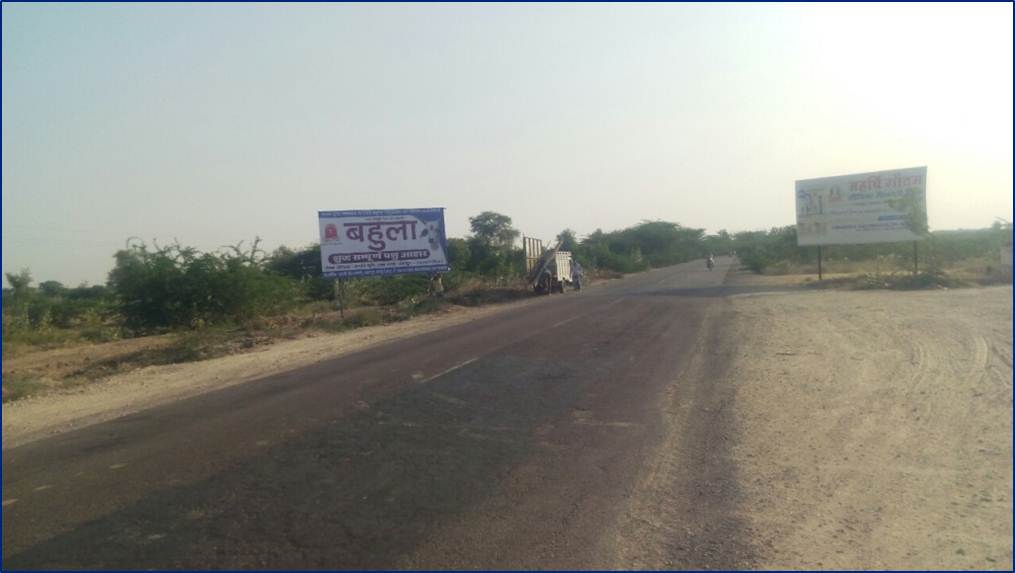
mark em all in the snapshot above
pixel 945 259
pixel 165 304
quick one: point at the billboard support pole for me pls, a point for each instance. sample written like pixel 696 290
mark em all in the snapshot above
pixel 340 296
pixel 916 260
pixel 819 262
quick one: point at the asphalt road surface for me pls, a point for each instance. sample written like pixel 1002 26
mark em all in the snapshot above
pixel 514 441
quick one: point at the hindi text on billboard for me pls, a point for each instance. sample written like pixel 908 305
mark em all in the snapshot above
pixel 879 207
pixel 382 242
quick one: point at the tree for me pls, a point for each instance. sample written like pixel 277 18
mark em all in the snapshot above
pixel 19 282
pixel 52 288
pixel 568 240
pixel 493 229
pixel 458 254
pixel 721 242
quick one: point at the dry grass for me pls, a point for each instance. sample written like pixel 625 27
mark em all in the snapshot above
pixel 891 272
pixel 881 265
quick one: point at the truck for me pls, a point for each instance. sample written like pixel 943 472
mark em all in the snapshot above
pixel 551 272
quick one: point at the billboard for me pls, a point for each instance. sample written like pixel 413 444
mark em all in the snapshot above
pixel 382 242
pixel 878 207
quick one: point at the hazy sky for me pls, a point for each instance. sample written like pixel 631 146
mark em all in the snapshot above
pixel 216 123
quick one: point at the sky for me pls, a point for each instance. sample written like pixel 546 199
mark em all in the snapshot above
pixel 212 124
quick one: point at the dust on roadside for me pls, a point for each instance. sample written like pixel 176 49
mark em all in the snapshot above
pixel 683 512
pixel 875 427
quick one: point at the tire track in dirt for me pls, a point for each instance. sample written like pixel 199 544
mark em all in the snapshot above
pixel 876 429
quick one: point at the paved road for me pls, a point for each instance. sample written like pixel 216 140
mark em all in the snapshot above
pixel 515 441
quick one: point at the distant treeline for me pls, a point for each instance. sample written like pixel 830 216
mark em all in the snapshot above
pixel 156 287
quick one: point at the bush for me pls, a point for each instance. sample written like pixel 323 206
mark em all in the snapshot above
pixel 757 250
pixel 182 287
pixel 101 333
pixel 384 291
pixel 364 317
pixel 892 281
pixel 67 312
pixel 304 266
pixel 17 387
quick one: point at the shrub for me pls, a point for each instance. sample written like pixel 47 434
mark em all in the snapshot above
pixel 387 290
pixel 181 287
pixel 304 266
pixel 16 387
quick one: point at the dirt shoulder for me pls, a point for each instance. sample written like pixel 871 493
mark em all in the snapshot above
pixel 33 418
pixel 874 427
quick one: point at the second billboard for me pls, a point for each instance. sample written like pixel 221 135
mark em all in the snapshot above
pixel 877 207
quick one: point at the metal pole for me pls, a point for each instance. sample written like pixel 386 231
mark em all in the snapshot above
pixel 916 259
pixel 340 296
pixel 819 262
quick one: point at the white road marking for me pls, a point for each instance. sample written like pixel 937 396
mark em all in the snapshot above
pixel 565 321
pixel 449 370
pixel 117 466
pixel 43 487
pixel 10 501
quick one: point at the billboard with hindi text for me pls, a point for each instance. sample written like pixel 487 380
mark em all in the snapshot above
pixel 878 207
pixel 382 242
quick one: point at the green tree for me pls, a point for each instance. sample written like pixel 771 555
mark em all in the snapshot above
pixel 491 247
pixel 459 254
pixel 23 306
pixel 568 240
pixel 493 229
pixel 20 282
pixel 52 288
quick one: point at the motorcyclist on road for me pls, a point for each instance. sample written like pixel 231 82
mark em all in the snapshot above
pixel 710 262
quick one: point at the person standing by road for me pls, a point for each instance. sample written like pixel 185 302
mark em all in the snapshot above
pixel 436 285
pixel 576 274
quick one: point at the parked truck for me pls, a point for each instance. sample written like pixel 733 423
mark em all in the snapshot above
pixel 552 273
pixel 549 270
